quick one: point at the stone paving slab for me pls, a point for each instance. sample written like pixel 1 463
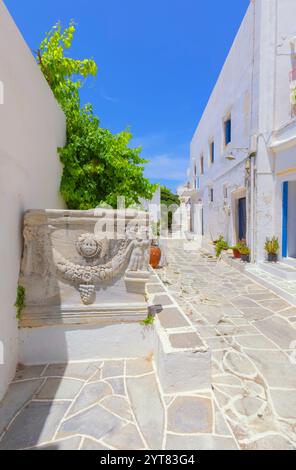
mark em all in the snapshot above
pixel 185 341
pixel 72 443
pixel 37 423
pixel 171 318
pixel 190 415
pixel 151 423
pixel 63 389
pixel 19 394
pixel 175 442
pixel 80 370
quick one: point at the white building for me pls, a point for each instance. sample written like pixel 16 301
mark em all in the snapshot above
pixel 243 153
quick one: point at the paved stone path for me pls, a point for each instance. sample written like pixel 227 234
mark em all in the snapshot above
pixel 252 334
pixel 119 404
pixel 112 404
pixel 84 405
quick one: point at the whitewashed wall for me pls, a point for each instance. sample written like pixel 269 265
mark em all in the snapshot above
pixel 153 206
pixel 277 126
pixel 231 95
pixel 32 126
pixel 254 87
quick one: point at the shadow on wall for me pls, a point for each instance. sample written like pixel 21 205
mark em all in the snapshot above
pixel 28 404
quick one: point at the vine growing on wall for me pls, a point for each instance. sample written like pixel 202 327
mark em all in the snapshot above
pixel 98 166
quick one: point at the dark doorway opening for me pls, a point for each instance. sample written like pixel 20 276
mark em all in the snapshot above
pixel 242 218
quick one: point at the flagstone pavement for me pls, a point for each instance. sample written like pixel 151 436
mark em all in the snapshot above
pixel 252 335
pixel 119 404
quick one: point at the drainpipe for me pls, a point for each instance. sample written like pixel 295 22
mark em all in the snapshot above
pixel 252 202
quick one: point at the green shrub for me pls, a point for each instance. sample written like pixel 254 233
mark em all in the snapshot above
pixel 272 245
pixel 221 245
pixel 244 249
pixel 98 166
pixel 20 301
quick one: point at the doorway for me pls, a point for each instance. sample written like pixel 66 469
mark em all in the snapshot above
pixel 289 219
pixel 242 218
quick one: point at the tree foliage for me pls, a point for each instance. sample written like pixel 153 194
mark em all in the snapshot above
pixel 168 198
pixel 98 166
pixel 171 201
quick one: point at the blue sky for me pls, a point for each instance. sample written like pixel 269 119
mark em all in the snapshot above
pixel 158 62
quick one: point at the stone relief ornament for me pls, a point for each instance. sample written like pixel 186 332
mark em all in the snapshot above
pixel 141 239
pixel 87 293
pixel 87 246
pixel 134 251
pixel 74 263
pixel 139 260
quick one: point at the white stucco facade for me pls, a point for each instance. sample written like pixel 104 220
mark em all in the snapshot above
pixel 32 126
pixel 247 175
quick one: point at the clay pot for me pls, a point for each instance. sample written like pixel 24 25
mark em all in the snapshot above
pixel 236 253
pixel 155 256
pixel 272 257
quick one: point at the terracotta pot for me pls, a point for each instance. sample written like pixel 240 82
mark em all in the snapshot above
pixel 272 257
pixel 236 253
pixel 155 256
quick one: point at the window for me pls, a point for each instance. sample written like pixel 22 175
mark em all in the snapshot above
pixel 225 191
pixel 194 174
pixel 212 152
pixel 202 165
pixel 211 194
pixel 227 131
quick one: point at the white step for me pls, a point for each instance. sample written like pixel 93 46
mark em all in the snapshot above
pixel 289 261
pixel 281 270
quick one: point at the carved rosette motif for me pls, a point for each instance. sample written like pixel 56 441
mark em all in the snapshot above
pixel 86 277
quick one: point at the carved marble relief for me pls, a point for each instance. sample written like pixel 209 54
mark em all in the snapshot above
pixel 62 250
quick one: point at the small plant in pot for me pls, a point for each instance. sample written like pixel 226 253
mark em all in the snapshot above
pixel 235 250
pixel 155 251
pixel 245 252
pixel 272 247
pixel 221 245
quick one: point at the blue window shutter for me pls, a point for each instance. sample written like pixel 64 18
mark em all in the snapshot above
pixel 285 219
pixel 212 152
pixel 227 131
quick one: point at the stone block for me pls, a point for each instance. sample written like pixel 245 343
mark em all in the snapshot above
pixel 84 266
pixel 181 370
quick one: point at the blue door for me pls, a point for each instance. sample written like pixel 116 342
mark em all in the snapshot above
pixel 242 218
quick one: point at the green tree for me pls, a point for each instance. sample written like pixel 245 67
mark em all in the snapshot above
pixel 171 201
pixel 168 197
pixel 98 166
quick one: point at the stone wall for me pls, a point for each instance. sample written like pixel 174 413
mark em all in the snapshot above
pixel 32 127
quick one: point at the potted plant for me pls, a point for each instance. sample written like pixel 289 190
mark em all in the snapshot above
pixel 221 245
pixel 155 251
pixel 235 250
pixel 272 248
pixel 221 238
pixel 245 252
